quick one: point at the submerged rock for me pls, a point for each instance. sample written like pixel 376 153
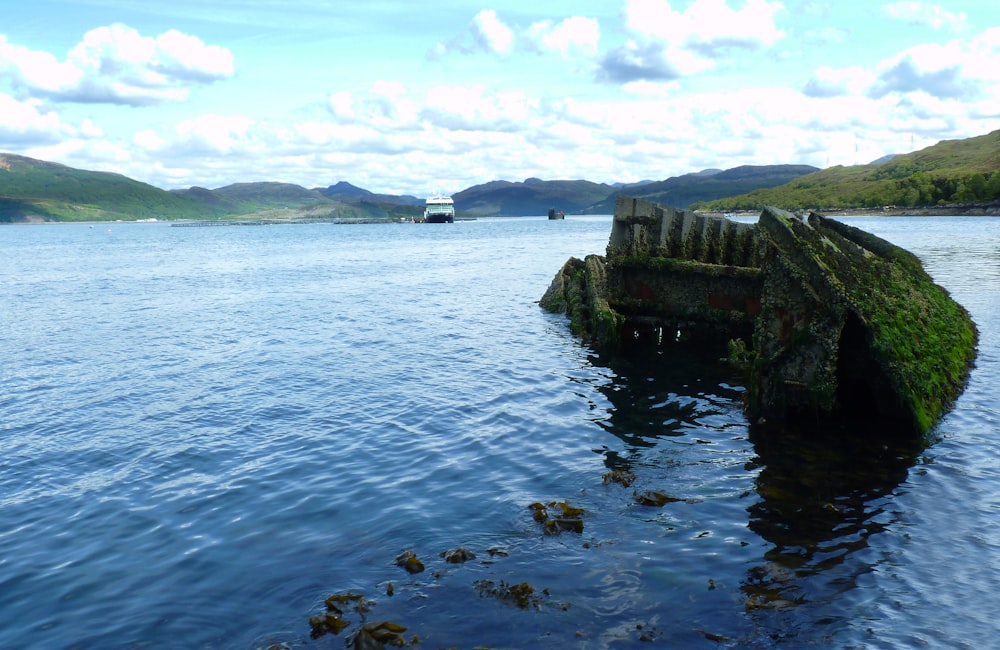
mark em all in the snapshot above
pixel 829 320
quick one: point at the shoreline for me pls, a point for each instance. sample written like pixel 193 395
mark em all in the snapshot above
pixel 991 209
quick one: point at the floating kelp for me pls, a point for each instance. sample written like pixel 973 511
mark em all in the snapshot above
pixel 570 519
pixel 336 601
pixel 521 594
pixel 328 622
pixel 620 476
pixel 374 636
pixel 458 555
pixel 654 498
pixel 370 636
pixel 332 621
pixel 770 586
pixel 408 560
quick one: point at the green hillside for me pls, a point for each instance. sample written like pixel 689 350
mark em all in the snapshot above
pixel 35 190
pixel 48 191
pixel 950 172
pixel 682 191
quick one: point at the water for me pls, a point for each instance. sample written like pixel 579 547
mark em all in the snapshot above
pixel 205 432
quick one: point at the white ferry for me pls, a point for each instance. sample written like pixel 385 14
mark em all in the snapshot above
pixel 440 209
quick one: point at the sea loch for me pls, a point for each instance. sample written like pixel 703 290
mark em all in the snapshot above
pixel 205 432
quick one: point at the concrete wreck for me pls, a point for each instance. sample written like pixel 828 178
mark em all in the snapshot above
pixel 830 320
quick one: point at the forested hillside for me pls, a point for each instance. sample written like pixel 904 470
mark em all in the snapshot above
pixel 950 172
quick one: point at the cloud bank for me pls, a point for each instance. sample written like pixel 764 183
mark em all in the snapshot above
pixel 117 65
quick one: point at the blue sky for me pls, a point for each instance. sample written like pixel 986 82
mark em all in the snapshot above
pixel 395 96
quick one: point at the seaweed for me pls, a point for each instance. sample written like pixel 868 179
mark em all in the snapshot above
pixel 570 518
pixel 408 560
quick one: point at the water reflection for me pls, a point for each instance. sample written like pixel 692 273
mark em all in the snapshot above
pixel 668 391
pixel 819 492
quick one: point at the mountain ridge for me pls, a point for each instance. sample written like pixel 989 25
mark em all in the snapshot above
pixel 952 171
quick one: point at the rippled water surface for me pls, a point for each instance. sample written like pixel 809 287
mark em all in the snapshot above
pixel 205 432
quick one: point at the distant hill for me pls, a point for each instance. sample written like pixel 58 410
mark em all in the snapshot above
pixel 34 189
pixel 270 193
pixel 532 197
pixel 706 185
pixel 287 200
pixel 626 186
pixel 950 172
pixel 344 191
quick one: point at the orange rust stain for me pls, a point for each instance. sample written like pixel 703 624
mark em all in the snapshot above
pixel 641 291
pixel 722 301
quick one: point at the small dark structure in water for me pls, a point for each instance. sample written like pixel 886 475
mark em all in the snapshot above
pixel 831 320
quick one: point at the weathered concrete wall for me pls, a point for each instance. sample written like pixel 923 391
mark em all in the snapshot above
pixel 680 271
pixel 838 320
pixel 643 229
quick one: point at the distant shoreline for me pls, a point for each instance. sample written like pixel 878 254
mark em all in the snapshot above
pixel 963 210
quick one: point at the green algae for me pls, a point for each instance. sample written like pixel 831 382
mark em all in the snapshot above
pixel 920 342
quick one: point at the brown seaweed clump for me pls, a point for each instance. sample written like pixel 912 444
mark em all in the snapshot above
pixel 332 621
pixel 521 594
pixel 375 636
pixel 569 519
pixel 369 636
pixel 458 555
pixel 408 560
pixel 654 498
pixel 620 476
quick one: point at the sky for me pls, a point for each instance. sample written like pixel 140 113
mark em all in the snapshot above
pixel 403 97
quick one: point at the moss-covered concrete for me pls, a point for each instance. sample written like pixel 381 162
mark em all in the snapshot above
pixel 838 321
pixel 876 334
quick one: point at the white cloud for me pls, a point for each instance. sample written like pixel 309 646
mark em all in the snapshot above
pixel 648 61
pixel 149 140
pixel 962 70
pixel 385 103
pixel 28 123
pixel 116 64
pixel 668 44
pixel 218 135
pixel 487 33
pixel 705 23
pixel 491 33
pixel 955 70
pixel 651 89
pixel 923 13
pixel 40 71
pixel 475 108
pixel 830 82
pixel 573 35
